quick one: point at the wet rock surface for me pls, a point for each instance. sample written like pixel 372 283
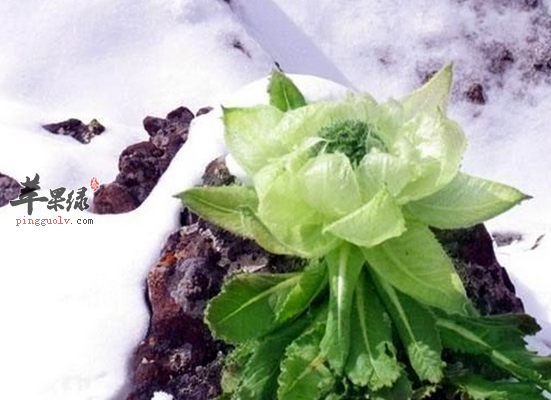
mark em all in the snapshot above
pixel 9 189
pixel 179 355
pixel 75 128
pixel 142 164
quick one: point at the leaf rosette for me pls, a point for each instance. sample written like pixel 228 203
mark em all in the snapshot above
pixel 354 186
pixel 355 171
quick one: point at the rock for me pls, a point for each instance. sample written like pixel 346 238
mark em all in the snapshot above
pixel 203 110
pixel 9 189
pixel 142 164
pixel 475 94
pixel 140 169
pixel 486 282
pixel 113 198
pixel 76 129
pixel 217 173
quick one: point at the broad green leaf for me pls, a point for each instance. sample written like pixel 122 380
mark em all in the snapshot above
pixel 304 374
pixel 433 146
pixel 416 264
pixel 416 327
pixel 500 339
pixel 464 202
pixel 432 95
pixel 289 218
pixel 371 224
pixel 259 378
pixel 312 281
pixel 400 390
pixel 478 388
pixel 344 266
pixel 247 306
pixel 249 135
pixel 277 187
pixel 284 94
pixel 231 207
pixel 328 185
pixel 382 170
pixel 372 360
pixel 234 363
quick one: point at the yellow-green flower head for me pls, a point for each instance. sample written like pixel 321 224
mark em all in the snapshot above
pixel 349 170
pixel 341 170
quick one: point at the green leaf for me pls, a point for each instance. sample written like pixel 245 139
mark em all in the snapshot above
pixel 416 264
pixel 328 184
pixel 480 389
pixel 313 280
pixel 287 216
pixel 464 202
pixel 373 223
pixel 234 363
pixel 433 146
pixel 259 378
pixel 248 304
pixel 416 327
pixel 344 266
pixel 304 374
pixel 500 339
pixel 372 360
pixel 231 207
pixel 382 170
pixel 432 95
pixel 249 134
pixel 283 92
pixel 400 390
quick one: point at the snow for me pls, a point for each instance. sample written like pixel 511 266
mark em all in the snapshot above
pixel 80 288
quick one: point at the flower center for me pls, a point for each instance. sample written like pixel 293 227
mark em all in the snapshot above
pixel 352 138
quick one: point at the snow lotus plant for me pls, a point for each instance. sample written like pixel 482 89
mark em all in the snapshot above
pixel 378 312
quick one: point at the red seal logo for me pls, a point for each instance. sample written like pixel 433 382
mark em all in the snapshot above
pixel 94 184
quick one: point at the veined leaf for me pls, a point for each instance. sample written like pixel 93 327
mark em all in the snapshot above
pixel 284 94
pixel 372 360
pixel 247 306
pixel 371 224
pixel 344 266
pixel 416 264
pixel 416 327
pixel 259 378
pixel 304 374
pixel 464 202
pixel 248 134
pixel 312 281
pixel 480 389
pixel 432 95
pixel 500 339
pixel 232 208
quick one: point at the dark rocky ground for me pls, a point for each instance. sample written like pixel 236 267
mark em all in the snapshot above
pixel 142 164
pixel 76 129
